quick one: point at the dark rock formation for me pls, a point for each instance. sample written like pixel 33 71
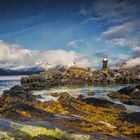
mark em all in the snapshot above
pixel 102 102
pixel 57 77
pixel 133 117
pixel 81 96
pixel 33 82
pixel 128 95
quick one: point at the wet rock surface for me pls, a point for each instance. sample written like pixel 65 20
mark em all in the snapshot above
pixel 133 117
pixel 87 115
pixel 129 95
pixel 102 102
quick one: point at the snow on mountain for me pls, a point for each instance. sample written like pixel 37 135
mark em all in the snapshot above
pixel 21 70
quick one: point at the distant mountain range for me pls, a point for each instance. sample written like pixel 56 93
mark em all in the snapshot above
pixel 21 71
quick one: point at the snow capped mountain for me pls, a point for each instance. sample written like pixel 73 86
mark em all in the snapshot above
pixel 21 70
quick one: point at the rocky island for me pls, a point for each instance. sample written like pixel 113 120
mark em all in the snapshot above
pixel 84 118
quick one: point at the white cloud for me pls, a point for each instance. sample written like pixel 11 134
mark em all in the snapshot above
pixel 132 62
pixel 119 58
pixel 114 60
pixel 136 50
pixel 72 44
pixel 76 43
pixel 132 43
pixel 121 42
pixel 12 54
pixel 122 31
pixel 119 31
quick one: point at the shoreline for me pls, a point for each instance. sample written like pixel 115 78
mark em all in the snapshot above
pixel 87 114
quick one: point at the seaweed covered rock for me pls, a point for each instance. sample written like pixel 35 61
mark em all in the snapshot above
pixel 128 95
pixel 133 117
pixel 102 102
pixel 24 111
pixel 90 93
pixel 55 94
pixel 17 94
pixel 100 116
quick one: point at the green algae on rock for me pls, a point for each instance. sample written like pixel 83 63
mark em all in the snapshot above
pixel 5 136
pixel 35 131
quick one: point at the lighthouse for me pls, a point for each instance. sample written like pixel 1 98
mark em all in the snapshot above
pixel 105 61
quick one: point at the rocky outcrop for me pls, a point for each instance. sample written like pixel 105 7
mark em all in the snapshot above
pixel 60 76
pixel 89 116
pixel 121 76
pixel 17 94
pixel 33 82
pixel 128 95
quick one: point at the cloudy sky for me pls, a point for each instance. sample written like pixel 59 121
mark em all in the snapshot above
pixel 63 31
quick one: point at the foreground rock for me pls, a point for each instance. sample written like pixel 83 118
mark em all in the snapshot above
pixel 26 131
pixel 129 95
pixel 94 116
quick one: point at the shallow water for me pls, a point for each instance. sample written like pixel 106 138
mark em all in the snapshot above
pixel 6 82
pixel 99 92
